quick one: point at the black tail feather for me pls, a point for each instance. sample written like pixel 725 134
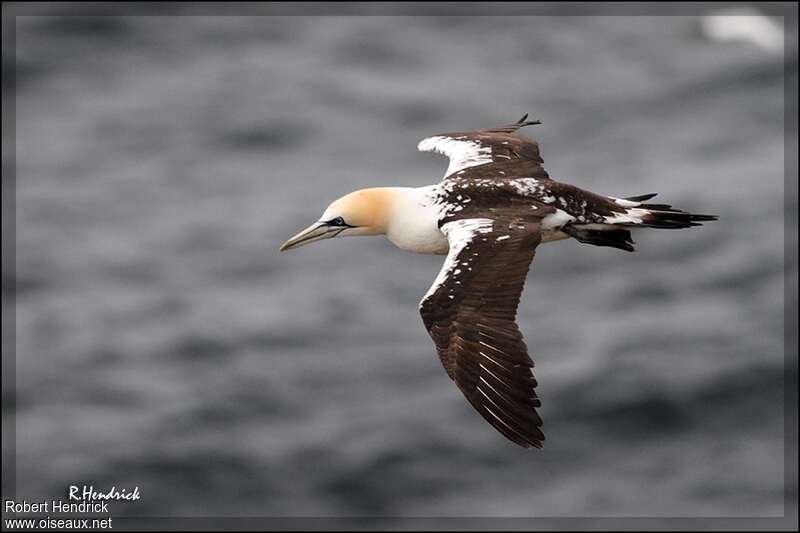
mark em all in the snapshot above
pixel 658 207
pixel 641 198
pixel 665 217
pixel 616 238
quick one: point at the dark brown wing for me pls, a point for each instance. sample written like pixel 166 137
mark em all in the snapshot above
pixel 470 313
pixel 501 144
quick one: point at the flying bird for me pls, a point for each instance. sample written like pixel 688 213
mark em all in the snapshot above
pixel 495 205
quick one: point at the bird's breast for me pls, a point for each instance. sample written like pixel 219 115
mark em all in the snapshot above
pixel 422 242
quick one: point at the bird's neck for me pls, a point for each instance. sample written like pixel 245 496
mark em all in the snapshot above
pixel 408 216
pixel 412 220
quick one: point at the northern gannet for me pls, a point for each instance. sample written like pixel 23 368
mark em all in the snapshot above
pixel 495 205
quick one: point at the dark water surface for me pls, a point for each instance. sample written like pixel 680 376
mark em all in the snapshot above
pixel 162 341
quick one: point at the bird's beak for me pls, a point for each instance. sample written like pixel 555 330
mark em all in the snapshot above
pixel 315 232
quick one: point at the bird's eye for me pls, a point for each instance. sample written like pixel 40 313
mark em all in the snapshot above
pixel 338 221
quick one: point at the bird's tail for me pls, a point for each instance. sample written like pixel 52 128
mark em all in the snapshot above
pixel 662 216
pixel 638 214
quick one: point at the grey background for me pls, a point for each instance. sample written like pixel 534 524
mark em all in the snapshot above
pixel 162 342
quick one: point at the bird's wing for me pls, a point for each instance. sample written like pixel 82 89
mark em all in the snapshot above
pixel 501 144
pixel 470 314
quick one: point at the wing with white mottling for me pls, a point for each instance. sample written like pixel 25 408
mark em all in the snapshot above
pixel 470 314
pixel 501 144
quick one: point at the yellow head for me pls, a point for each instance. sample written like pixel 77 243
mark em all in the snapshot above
pixel 363 212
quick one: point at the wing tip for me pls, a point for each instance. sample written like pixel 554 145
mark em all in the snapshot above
pixel 528 442
pixel 522 122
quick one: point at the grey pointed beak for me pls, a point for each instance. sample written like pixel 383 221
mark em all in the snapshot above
pixel 315 232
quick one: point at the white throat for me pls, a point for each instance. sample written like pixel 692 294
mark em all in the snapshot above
pixel 414 221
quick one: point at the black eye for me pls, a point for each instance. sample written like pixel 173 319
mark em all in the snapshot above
pixel 338 221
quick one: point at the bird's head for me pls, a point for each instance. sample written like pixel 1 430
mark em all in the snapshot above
pixel 364 212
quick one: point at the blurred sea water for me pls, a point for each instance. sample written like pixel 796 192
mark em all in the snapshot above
pixel 162 341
